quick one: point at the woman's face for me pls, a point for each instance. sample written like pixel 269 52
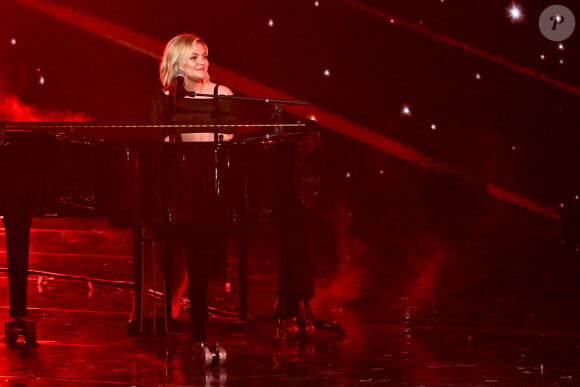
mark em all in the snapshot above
pixel 196 66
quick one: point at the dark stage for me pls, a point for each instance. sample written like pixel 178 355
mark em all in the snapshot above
pixel 440 180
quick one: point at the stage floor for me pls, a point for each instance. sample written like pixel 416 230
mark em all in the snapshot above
pixel 478 311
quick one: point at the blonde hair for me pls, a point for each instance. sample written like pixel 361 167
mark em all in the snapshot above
pixel 176 53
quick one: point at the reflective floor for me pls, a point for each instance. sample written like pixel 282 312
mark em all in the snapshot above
pixel 423 306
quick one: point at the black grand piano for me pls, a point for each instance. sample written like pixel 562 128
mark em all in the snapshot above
pixel 138 176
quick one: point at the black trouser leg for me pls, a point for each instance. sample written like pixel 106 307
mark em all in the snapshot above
pixel 17 245
pixel 197 266
pixel 167 266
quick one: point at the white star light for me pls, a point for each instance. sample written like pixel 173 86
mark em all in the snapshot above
pixel 13 41
pixel 326 72
pixel 406 110
pixel 515 13
pixel 270 22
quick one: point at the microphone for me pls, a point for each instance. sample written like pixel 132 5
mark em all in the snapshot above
pixel 179 86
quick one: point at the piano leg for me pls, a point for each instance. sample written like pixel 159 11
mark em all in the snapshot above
pixel 144 266
pixel 17 246
pixel 295 268
pixel 139 292
pixel 294 200
pixel 17 242
pixel 296 279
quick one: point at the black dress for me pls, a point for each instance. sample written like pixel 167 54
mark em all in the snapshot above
pixel 192 110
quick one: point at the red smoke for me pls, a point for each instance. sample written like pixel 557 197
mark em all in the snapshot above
pixel 13 109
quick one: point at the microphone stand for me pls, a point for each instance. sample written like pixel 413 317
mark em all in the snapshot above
pixel 276 114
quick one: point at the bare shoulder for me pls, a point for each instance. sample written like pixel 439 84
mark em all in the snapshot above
pixel 224 90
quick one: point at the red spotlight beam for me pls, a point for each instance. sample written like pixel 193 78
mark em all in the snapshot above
pixel 153 48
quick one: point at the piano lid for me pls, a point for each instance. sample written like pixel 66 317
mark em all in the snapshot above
pixel 142 132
